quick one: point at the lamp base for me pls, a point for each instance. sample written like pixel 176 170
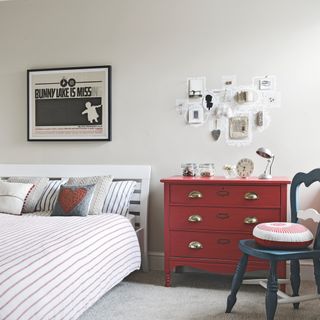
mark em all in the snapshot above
pixel 265 176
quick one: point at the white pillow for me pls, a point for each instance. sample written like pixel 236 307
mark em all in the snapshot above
pixel 102 185
pixel 34 194
pixel 12 196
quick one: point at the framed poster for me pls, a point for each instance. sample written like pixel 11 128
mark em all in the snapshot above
pixel 69 104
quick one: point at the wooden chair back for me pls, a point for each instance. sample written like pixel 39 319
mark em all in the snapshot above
pixel 309 216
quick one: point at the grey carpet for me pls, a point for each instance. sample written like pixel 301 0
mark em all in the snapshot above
pixel 192 296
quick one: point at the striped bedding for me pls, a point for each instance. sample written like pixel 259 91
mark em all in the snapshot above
pixel 57 267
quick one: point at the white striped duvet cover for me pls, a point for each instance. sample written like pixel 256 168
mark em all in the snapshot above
pixel 57 267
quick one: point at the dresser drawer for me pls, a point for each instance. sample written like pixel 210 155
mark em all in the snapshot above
pixel 219 218
pixel 206 245
pixel 246 195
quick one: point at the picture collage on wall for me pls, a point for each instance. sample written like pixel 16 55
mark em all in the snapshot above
pixel 233 111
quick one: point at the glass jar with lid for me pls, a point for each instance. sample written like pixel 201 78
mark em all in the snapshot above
pixel 189 169
pixel 206 169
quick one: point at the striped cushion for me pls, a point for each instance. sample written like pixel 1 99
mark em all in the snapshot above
pixel 118 197
pixel 282 235
pixel 49 196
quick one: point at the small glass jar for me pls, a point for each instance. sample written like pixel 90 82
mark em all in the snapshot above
pixel 206 169
pixel 189 169
pixel 229 171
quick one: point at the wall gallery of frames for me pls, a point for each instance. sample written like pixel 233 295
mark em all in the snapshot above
pixel 233 112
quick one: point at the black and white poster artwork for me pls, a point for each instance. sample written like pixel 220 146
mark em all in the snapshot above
pixel 69 104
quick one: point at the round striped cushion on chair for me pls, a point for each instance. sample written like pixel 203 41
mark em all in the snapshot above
pixel 282 235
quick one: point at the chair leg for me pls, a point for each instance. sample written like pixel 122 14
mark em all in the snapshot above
pixel 236 282
pixel 295 280
pixel 272 288
pixel 316 264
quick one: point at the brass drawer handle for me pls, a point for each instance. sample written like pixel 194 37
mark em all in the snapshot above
pixel 195 195
pixel 223 241
pixel 195 218
pixel 195 245
pixel 222 215
pixel 251 196
pixel 250 220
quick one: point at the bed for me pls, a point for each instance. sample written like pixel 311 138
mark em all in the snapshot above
pixel 57 267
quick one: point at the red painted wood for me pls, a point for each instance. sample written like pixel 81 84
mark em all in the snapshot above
pixel 219 218
pixel 215 194
pixel 223 209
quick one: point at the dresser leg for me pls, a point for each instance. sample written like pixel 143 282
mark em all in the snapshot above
pixel 168 279
pixel 236 282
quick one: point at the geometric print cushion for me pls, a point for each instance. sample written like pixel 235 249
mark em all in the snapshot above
pixel 282 235
pixel 118 197
pixel 73 201
pixel 102 185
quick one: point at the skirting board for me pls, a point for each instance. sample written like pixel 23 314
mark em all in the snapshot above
pixel 156 261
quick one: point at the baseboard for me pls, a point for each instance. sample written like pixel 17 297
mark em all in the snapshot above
pixel 156 262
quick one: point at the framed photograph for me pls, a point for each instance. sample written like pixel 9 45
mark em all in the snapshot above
pixel 239 127
pixel 69 104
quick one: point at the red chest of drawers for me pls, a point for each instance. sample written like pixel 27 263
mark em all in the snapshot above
pixel 204 219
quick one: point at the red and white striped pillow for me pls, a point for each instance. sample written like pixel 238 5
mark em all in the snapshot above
pixel 282 235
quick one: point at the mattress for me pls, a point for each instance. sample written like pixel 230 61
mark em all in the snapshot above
pixel 57 267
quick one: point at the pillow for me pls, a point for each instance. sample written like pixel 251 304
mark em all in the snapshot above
pixel 73 201
pixel 282 235
pixel 12 196
pixel 34 194
pixel 102 185
pixel 49 197
pixel 118 197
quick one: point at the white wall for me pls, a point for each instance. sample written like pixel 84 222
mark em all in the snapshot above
pixel 153 46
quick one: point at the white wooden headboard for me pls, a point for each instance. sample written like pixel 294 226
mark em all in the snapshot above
pixel 139 173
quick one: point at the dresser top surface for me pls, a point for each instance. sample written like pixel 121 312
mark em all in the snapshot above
pixel 223 180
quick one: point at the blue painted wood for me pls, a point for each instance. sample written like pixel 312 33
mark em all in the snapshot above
pixel 236 282
pixel 250 248
pixel 307 179
pixel 316 264
pixel 272 288
pixel 295 280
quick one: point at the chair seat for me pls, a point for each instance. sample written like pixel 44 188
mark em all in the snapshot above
pixel 251 248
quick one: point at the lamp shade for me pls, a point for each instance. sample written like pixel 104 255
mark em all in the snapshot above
pixel 265 153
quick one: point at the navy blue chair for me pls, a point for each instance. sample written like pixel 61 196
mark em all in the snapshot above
pixel 250 248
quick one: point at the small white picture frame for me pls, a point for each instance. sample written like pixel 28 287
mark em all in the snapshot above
pixel 195 114
pixel 266 83
pixel 196 86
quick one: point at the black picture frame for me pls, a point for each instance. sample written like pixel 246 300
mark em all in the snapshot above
pixel 69 104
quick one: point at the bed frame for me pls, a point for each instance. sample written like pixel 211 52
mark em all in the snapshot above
pixel 139 173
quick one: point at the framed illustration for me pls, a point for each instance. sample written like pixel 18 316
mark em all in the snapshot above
pixel 69 104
